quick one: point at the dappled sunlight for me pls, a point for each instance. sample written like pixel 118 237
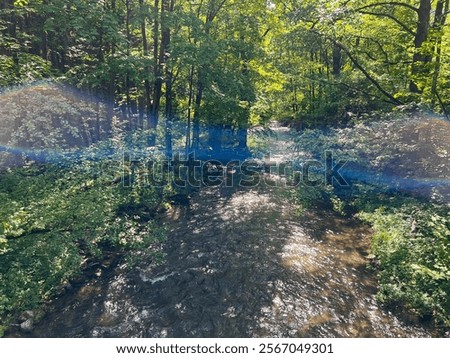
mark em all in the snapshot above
pixel 239 262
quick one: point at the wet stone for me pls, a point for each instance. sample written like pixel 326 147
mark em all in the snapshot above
pixel 27 326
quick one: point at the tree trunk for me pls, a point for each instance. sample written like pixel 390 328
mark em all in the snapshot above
pixel 127 79
pixel 212 13
pixel 160 60
pixel 419 68
pixel 196 119
pixel 169 92
pixel 168 113
pixel 189 111
pixel 337 60
pixel 440 18
pixel 243 122
pixel 146 104
pixel 157 84
pixel 44 44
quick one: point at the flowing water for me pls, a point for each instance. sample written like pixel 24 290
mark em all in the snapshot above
pixel 240 262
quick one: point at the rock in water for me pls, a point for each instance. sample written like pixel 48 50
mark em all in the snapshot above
pixel 27 326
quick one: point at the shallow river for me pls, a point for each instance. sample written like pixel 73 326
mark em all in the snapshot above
pixel 240 262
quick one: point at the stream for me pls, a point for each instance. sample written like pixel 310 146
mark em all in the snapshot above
pixel 239 262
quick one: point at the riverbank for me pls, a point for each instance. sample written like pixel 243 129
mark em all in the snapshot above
pixel 398 173
pixel 62 223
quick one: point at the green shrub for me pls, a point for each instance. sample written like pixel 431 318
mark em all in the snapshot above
pixel 412 247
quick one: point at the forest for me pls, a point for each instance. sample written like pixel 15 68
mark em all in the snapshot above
pixel 84 84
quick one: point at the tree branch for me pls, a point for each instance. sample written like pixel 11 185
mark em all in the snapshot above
pixel 342 84
pixel 380 46
pixel 367 74
pixel 213 13
pixel 394 3
pixel 362 69
pixel 406 28
pixel 361 90
pixel 444 109
pixel 266 32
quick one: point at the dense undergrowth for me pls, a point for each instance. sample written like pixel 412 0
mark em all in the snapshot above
pixel 57 218
pixel 411 222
